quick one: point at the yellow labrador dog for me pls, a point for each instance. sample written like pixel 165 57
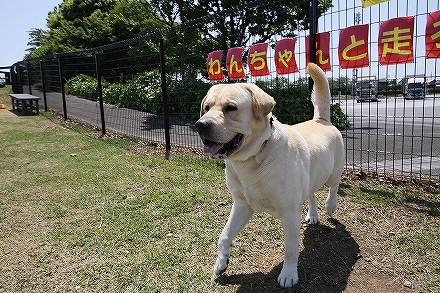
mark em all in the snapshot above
pixel 271 166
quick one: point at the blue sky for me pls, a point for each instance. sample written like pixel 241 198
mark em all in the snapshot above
pixel 17 18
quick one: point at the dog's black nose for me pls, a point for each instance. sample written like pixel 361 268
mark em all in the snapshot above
pixel 201 125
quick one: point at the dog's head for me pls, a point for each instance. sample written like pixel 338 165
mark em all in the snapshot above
pixel 234 120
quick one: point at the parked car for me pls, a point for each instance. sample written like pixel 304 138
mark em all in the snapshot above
pixel 414 95
pixel 415 88
pixel 367 90
pixel 366 96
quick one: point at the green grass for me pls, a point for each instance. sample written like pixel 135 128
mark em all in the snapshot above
pixel 88 213
pixel 4 91
pixel 78 213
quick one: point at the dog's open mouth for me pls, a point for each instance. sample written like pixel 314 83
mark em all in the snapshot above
pixel 221 150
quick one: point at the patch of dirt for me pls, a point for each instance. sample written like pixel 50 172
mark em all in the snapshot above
pixel 331 260
pixel 145 148
pixel 141 147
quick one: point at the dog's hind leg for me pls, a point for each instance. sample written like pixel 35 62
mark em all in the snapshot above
pixel 330 203
pixel 312 214
pixel 239 217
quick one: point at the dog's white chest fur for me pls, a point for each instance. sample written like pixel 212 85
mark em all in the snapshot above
pixel 262 183
pixel 255 189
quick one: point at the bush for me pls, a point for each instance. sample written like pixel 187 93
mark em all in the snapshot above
pixel 292 98
pixel 184 98
pixel 338 118
pixel 144 93
pixel 82 86
pixel 294 104
pixel 141 93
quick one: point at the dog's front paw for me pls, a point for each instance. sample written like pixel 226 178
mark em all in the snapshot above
pixel 288 278
pixel 221 265
pixel 312 218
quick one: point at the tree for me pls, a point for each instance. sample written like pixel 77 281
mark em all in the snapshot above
pixel 235 22
pixel 37 37
pixel 130 19
pixel 81 24
pixel 197 27
pixel 340 86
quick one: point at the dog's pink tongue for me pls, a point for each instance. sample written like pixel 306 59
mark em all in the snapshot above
pixel 211 149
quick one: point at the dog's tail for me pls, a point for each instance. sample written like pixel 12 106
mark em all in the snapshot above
pixel 321 92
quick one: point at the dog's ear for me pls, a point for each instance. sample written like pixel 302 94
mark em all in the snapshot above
pixel 262 102
pixel 202 107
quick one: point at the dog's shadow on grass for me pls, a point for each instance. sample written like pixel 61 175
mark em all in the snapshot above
pixel 325 264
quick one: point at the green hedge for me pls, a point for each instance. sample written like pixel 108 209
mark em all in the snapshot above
pixel 141 93
pixel 144 93
pixel 184 97
pixel 294 104
pixel 83 86
pixel 292 98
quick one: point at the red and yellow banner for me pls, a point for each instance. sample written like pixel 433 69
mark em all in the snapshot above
pixel 432 35
pixel 234 65
pixel 322 50
pixel 257 60
pixel 353 47
pixel 396 41
pixel 368 3
pixel 214 66
pixel 284 57
pixel 395 46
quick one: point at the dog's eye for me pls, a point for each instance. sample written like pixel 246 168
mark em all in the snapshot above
pixel 206 108
pixel 230 108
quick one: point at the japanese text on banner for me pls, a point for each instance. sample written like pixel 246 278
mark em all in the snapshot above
pixel 353 47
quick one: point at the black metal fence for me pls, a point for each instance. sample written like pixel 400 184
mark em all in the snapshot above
pixel 148 87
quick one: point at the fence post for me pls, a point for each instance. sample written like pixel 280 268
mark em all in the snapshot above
pixel 20 78
pixel 28 69
pixel 63 94
pixel 165 100
pixel 101 101
pixel 43 83
pixel 313 30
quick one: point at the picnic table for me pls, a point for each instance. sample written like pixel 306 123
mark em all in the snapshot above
pixel 25 103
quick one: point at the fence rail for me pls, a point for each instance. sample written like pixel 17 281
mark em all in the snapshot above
pixel 147 87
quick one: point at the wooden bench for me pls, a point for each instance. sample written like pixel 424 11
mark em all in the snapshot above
pixel 26 104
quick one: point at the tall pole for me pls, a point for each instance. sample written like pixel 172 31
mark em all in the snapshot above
pixel 20 77
pixel 101 100
pixel 43 82
pixel 63 93
pixel 28 70
pixel 165 100
pixel 313 30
